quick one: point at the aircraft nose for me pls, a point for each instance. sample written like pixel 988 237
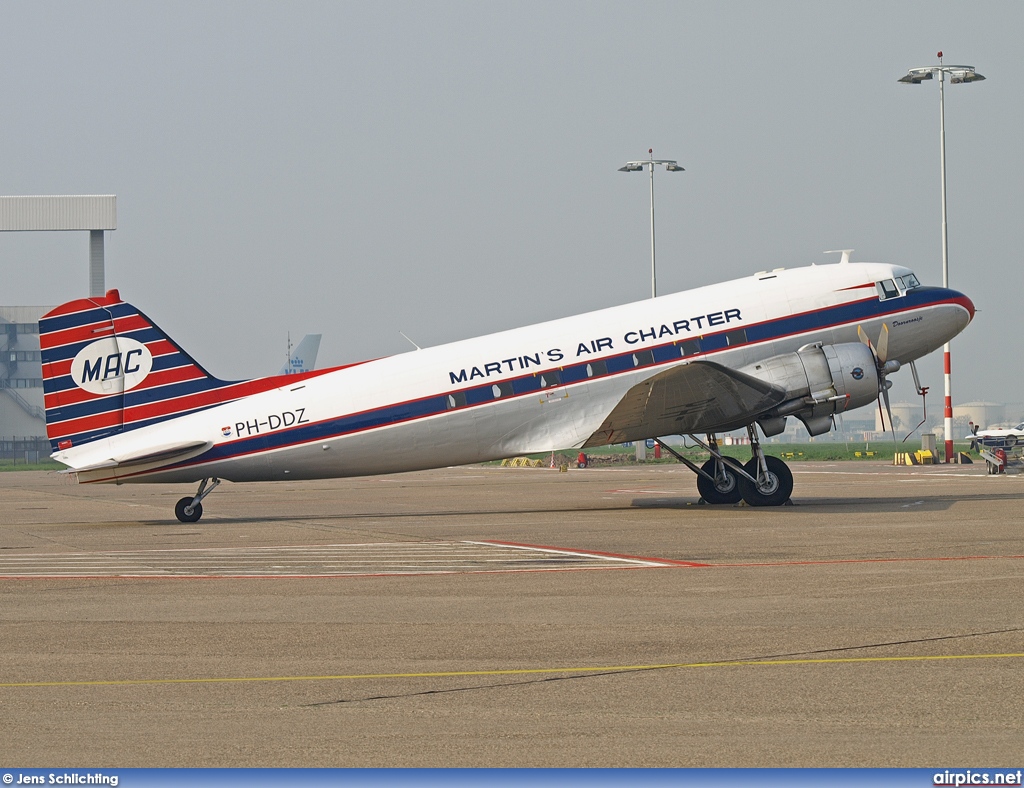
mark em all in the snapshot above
pixel 964 301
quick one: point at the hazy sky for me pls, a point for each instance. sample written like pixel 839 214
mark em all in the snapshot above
pixel 449 169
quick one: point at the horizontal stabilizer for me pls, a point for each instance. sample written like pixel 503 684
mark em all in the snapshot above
pixel 166 453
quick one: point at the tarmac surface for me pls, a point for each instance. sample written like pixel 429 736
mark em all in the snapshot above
pixel 488 616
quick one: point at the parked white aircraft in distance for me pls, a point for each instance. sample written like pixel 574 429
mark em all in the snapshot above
pixel 125 404
pixel 302 358
pixel 997 439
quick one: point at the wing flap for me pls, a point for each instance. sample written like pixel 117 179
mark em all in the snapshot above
pixel 698 397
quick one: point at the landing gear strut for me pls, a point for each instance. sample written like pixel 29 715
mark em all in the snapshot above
pixel 763 481
pixel 189 510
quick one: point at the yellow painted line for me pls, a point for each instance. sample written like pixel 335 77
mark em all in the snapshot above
pixel 507 672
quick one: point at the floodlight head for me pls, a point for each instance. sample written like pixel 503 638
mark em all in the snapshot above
pixel 916 76
pixel 632 166
pixel 966 75
pixel 671 166
pixel 957 74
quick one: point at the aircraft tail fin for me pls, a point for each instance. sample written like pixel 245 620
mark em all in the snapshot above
pixel 303 357
pixel 107 369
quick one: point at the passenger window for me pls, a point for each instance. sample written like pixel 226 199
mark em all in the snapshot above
pixel 643 358
pixel 457 400
pixel 689 347
pixel 737 337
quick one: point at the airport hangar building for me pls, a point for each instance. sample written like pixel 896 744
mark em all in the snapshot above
pixel 22 422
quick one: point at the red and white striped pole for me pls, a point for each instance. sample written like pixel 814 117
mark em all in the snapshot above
pixel 948 420
pixel 957 75
pixel 947 428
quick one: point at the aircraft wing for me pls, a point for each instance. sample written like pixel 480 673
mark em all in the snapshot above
pixel 693 398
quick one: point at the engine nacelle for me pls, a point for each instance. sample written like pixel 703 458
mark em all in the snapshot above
pixel 819 381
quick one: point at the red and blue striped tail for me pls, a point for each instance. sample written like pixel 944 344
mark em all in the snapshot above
pixel 108 369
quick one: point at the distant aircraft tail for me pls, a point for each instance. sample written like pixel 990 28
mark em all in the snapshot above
pixel 107 368
pixel 303 357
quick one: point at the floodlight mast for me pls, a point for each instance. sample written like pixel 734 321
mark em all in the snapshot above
pixel 957 75
pixel 636 166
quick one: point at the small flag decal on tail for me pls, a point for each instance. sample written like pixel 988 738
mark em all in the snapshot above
pixel 226 432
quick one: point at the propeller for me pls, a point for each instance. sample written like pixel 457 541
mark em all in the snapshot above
pixel 880 352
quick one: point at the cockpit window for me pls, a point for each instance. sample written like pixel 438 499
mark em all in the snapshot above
pixel 893 288
pixel 887 289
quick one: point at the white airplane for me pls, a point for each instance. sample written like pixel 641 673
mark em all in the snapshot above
pixel 125 404
pixel 996 439
pixel 303 357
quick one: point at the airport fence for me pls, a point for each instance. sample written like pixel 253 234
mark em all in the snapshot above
pixel 24 451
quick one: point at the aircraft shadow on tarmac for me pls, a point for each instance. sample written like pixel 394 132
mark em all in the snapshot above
pixel 938 503
pixel 902 504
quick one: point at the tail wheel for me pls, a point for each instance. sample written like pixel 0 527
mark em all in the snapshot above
pixel 774 489
pixel 188 517
pixel 725 488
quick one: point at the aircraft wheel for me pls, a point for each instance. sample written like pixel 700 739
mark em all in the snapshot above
pixel 179 511
pixel 775 490
pixel 1011 440
pixel 726 490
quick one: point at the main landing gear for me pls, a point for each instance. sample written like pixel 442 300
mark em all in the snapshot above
pixel 763 481
pixel 189 510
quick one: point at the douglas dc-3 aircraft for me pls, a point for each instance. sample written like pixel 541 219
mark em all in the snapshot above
pixel 125 404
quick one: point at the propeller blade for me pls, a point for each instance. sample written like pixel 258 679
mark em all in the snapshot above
pixel 863 337
pixel 883 343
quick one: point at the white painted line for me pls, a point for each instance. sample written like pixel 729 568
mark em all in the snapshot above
pixel 339 560
pixel 560 551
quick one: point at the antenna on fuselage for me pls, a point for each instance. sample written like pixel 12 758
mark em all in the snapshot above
pixel 410 341
pixel 845 252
